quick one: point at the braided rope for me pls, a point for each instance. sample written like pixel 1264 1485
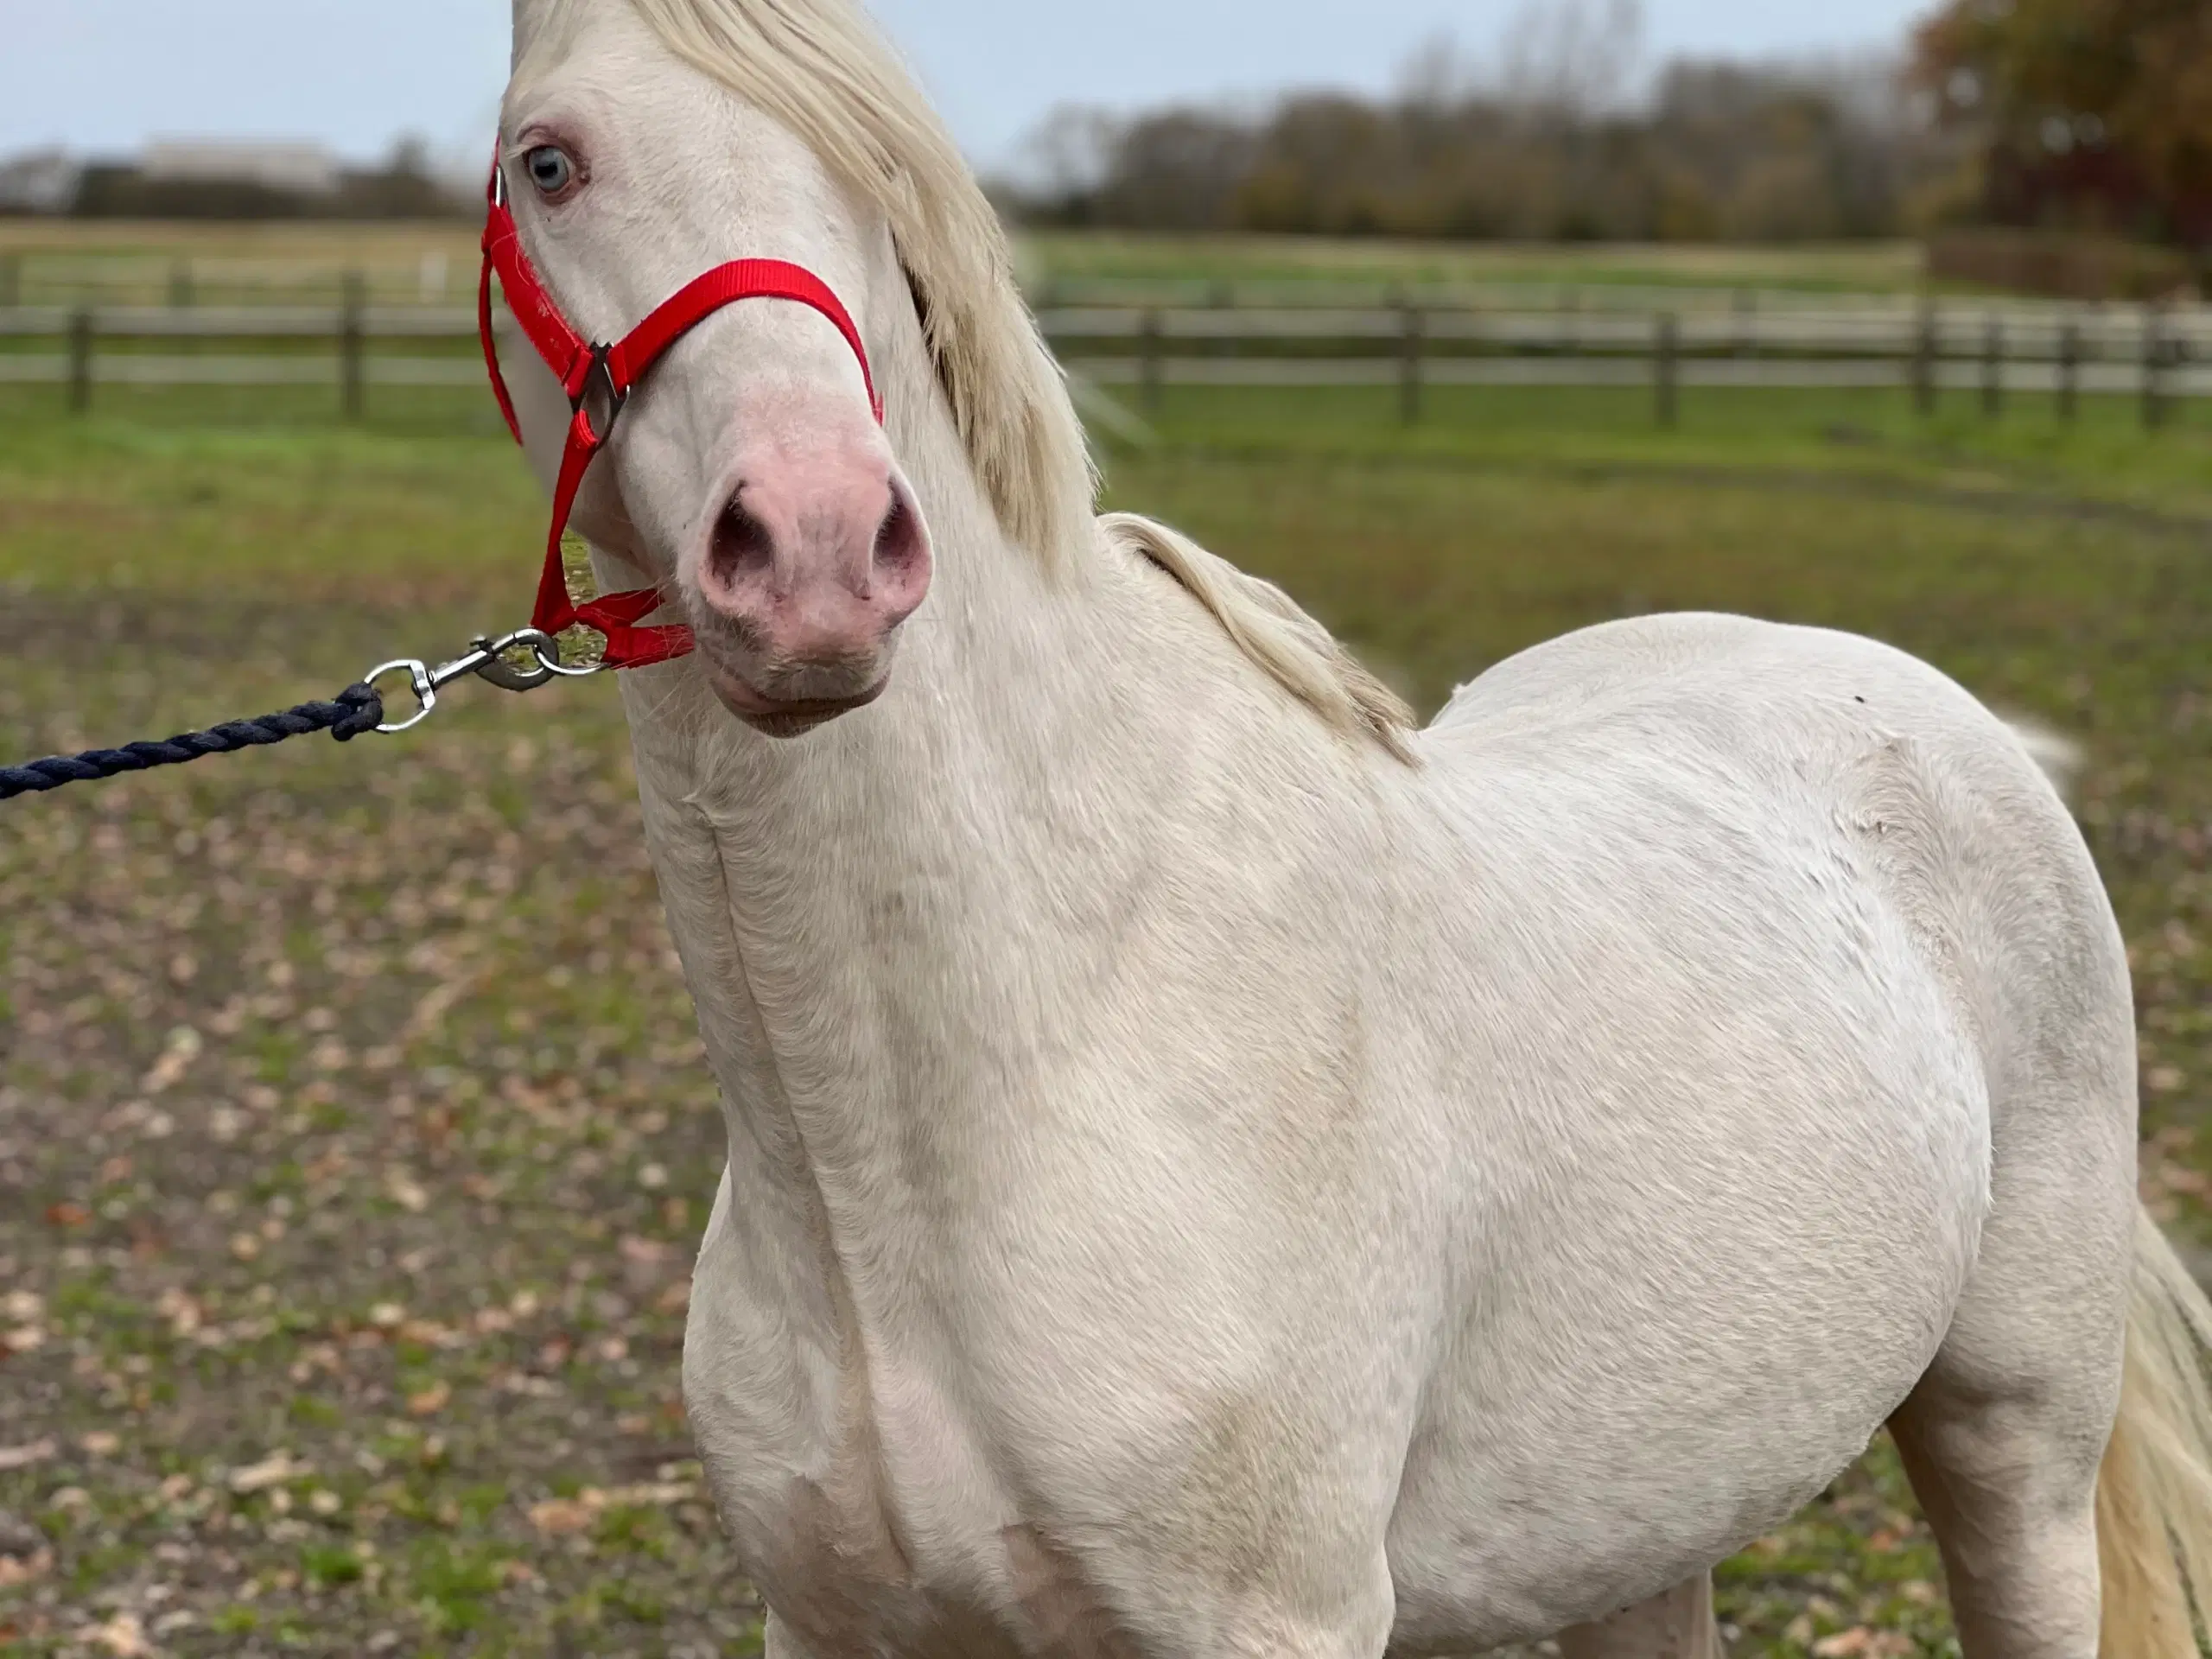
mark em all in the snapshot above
pixel 359 710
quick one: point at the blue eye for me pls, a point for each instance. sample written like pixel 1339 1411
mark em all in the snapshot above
pixel 550 169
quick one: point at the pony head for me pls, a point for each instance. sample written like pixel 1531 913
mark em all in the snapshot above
pixel 646 142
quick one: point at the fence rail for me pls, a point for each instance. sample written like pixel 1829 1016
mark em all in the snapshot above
pixel 2159 354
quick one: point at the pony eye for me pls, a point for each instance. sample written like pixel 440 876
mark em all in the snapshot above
pixel 550 169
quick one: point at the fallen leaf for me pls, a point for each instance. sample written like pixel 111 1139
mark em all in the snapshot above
pixel 1860 1643
pixel 558 1516
pixel 124 1636
pixel 15 1572
pixel 182 1049
pixel 660 1495
pixel 274 1471
pixel 101 1444
pixel 23 1457
pixel 430 1401
pixel 68 1215
pixel 179 1310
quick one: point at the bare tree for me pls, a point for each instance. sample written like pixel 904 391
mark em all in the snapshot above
pixel 1578 59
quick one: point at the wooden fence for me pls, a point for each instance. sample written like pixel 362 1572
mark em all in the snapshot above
pixel 1993 352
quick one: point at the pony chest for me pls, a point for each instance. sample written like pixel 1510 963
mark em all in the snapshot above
pixel 849 1568
pixel 855 1492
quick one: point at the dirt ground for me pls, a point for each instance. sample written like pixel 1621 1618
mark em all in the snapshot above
pixel 354 1133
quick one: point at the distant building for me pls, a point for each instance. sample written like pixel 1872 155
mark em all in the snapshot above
pixel 43 181
pixel 296 169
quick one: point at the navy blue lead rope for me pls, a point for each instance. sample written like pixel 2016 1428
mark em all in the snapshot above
pixel 358 711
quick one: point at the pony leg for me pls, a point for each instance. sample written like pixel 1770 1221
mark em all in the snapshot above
pixel 2010 1488
pixel 1677 1625
pixel 2004 1435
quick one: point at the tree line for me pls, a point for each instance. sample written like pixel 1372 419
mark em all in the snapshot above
pixel 2090 115
pixel 405 186
pixel 2066 114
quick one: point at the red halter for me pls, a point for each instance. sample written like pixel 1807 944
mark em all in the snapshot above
pixel 605 375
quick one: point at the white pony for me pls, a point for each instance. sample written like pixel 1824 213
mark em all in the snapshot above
pixel 1217 1172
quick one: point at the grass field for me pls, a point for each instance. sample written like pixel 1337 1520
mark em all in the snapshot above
pixel 1875 267
pixel 63 245
pixel 353 1129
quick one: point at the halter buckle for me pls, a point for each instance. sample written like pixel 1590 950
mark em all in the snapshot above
pixel 599 379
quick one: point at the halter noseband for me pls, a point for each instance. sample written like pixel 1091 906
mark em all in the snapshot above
pixel 598 380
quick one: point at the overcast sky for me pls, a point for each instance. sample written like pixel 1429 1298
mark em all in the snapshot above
pixel 104 75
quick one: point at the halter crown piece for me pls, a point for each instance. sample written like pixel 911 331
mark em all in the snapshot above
pixel 598 380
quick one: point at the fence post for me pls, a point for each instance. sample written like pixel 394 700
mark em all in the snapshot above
pixel 1412 340
pixel 81 360
pixel 181 294
pixel 1747 310
pixel 1666 353
pixel 1923 360
pixel 2070 367
pixel 2154 354
pixel 1150 371
pixel 353 370
pixel 1992 367
pixel 11 281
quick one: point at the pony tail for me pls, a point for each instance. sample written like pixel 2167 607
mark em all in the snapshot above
pixel 2154 1492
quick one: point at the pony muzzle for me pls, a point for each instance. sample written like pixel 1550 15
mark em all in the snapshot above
pixel 812 563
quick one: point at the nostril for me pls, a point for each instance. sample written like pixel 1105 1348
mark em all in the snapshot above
pixel 901 553
pixel 742 546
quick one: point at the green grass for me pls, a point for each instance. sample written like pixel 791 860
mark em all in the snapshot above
pixel 350 1102
pixel 1886 267
pixel 1820 441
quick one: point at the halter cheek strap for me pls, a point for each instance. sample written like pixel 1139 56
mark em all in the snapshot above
pixel 598 380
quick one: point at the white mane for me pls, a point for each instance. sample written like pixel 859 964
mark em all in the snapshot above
pixel 822 69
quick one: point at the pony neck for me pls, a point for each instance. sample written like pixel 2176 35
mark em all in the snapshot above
pixel 1025 710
